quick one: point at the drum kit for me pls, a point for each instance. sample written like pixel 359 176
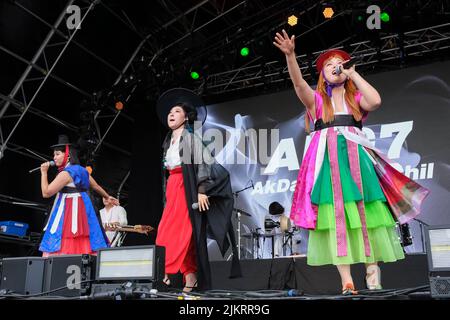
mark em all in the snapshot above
pixel 275 229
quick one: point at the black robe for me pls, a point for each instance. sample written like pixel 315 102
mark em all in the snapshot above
pixel 210 178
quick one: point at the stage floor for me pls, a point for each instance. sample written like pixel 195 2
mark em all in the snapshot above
pixel 294 273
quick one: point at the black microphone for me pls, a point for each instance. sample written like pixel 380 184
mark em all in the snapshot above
pixel 52 164
pixel 347 65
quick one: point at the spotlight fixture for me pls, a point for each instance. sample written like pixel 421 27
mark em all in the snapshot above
pixel 195 75
pixel 119 105
pixel 384 16
pixel 292 20
pixel 328 12
pixel 245 51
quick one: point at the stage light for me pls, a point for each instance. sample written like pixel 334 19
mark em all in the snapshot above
pixel 245 51
pixel 328 12
pixel 195 75
pixel 119 105
pixel 292 20
pixel 384 16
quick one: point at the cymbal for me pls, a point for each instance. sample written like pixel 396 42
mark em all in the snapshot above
pixel 242 212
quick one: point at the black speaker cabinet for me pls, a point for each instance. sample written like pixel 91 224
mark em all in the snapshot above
pixel 72 274
pixel 22 275
pixel 440 287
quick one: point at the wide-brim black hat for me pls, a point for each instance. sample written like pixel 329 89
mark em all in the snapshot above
pixel 63 140
pixel 172 97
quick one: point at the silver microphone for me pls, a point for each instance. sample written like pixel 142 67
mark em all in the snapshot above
pixel 337 70
pixel 52 164
pixel 195 205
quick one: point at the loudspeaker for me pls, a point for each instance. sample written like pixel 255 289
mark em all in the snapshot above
pixel 440 287
pixel 22 275
pixel 136 263
pixel 71 274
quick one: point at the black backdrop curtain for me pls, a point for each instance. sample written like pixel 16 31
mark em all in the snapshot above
pixel 145 201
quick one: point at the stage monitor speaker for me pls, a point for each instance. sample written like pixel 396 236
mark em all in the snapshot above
pixel 440 287
pixel 137 264
pixel 22 275
pixel 438 254
pixel 72 274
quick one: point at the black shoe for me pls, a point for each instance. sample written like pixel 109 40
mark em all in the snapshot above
pixel 167 283
pixel 187 289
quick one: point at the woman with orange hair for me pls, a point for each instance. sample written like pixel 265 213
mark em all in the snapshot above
pixel 347 193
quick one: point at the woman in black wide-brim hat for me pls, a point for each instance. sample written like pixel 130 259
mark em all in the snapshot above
pixel 198 194
pixel 73 227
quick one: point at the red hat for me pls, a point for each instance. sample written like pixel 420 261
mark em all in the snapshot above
pixel 327 54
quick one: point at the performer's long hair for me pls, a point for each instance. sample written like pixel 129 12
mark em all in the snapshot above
pixel 327 112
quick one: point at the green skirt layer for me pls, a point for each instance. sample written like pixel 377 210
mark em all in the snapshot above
pixel 384 242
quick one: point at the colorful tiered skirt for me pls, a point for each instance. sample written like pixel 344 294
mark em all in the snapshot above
pixel 384 242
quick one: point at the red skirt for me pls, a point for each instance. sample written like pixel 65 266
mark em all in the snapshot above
pixel 78 242
pixel 175 228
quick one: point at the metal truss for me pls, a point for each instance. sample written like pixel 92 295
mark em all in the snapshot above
pixel 397 46
pixel 26 103
pixel 23 101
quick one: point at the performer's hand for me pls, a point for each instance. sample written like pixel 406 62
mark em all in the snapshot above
pixel 284 43
pixel 113 201
pixel 44 167
pixel 111 226
pixel 203 202
pixel 348 72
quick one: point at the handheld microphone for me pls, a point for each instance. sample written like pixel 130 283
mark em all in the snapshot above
pixel 52 164
pixel 195 205
pixel 347 65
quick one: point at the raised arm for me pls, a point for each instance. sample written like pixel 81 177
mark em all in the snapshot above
pixel 97 188
pixel 302 89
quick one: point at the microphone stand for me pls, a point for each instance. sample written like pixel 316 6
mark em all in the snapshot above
pixel 238 215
